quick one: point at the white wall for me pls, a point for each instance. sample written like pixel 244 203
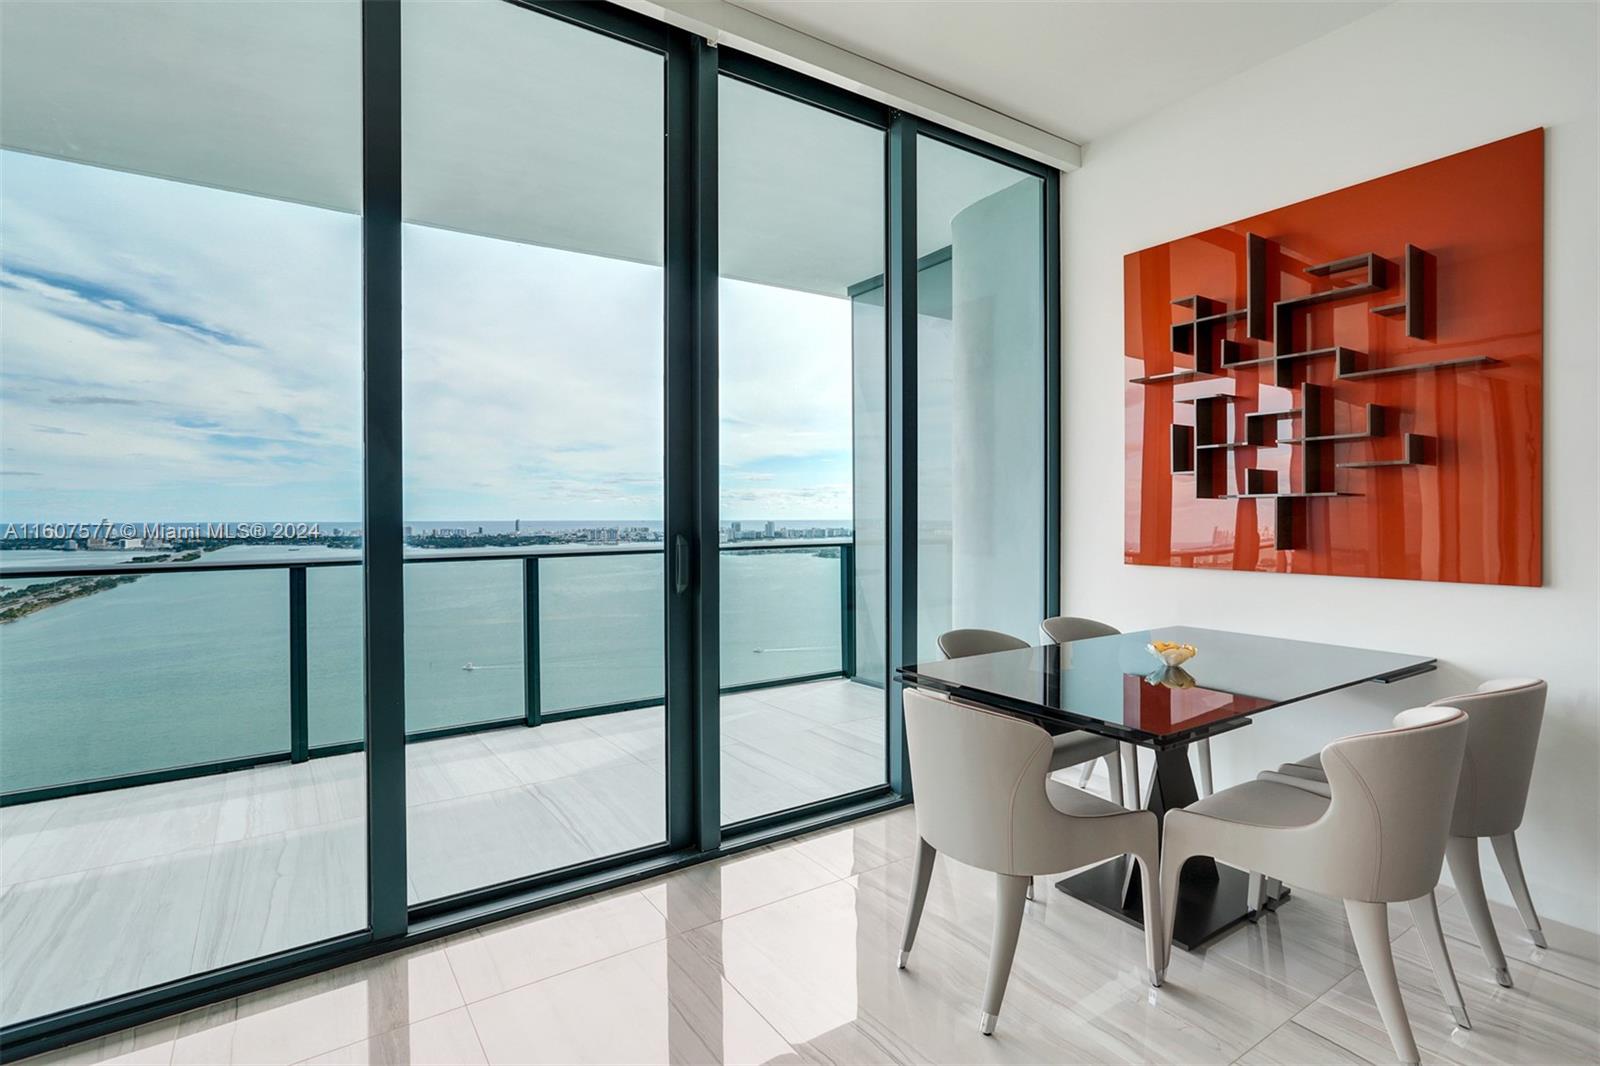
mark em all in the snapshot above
pixel 1410 83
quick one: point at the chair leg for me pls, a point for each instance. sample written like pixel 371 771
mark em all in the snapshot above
pixel 1114 777
pixel 1369 925
pixel 1172 861
pixel 1425 912
pixel 1462 854
pixel 1255 894
pixel 1129 755
pixel 1505 849
pixel 1202 750
pixel 921 875
pixel 1031 897
pixel 1086 773
pixel 1155 953
pixel 1008 908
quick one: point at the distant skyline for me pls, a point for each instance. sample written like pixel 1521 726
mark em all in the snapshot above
pixel 180 352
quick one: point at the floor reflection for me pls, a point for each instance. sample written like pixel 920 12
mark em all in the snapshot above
pixel 786 954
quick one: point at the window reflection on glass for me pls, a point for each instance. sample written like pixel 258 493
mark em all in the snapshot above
pixel 980 396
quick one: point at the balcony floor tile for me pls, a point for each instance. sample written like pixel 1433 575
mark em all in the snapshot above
pixel 110 892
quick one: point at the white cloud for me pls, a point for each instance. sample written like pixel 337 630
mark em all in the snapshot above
pixel 170 351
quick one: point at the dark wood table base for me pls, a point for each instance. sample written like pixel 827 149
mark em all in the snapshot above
pixel 1212 897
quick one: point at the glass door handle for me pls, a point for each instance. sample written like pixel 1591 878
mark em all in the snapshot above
pixel 680 563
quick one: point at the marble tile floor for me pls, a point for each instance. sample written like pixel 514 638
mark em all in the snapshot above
pixel 786 954
pixel 106 893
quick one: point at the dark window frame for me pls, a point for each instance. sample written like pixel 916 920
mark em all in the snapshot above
pixel 694 830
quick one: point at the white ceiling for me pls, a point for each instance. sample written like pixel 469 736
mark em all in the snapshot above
pixel 249 95
pixel 1073 68
pixel 515 126
pixel 524 128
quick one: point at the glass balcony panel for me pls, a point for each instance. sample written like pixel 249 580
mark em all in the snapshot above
pixel 158 672
pixel 335 676
pixel 780 615
pixel 601 640
pixel 463 644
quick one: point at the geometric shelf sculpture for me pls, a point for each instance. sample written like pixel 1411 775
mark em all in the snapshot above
pixel 1350 384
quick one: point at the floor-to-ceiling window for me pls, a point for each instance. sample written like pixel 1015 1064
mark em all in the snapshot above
pixel 180 412
pixel 533 182
pixel 200 763
pixel 981 396
pixel 800 196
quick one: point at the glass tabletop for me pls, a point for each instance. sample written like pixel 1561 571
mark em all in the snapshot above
pixel 1115 686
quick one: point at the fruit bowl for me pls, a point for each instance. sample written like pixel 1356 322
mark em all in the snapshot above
pixel 1170 677
pixel 1171 654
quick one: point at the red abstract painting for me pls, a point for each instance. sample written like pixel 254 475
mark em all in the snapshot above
pixel 1348 385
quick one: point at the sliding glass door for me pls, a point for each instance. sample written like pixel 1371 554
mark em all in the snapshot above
pixel 800 196
pixel 459 451
pixel 533 178
pixel 180 330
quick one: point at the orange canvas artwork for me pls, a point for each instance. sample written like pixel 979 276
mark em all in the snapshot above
pixel 1348 385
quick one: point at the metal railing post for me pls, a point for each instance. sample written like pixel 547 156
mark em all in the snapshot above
pixel 530 640
pixel 299 690
pixel 847 610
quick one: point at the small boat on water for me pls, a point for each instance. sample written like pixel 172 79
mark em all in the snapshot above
pixel 470 665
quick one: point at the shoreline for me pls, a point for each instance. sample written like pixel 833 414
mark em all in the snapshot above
pixel 19 603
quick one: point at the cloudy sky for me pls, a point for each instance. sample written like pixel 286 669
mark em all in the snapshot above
pixel 180 353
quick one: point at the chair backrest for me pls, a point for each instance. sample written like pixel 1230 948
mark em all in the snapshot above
pixel 960 643
pixel 1065 627
pixel 979 781
pixel 1504 717
pixel 1393 795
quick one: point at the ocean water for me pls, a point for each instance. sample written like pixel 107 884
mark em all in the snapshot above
pixel 176 669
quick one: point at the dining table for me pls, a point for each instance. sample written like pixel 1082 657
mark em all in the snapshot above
pixel 1115 686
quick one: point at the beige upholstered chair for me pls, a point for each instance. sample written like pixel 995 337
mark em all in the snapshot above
pixel 1502 737
pixel 1377 837
pixel 1071 747
pixel 984 798
pixel 1064 628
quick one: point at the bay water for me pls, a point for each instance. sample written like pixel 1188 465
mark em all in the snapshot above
pixel 174 670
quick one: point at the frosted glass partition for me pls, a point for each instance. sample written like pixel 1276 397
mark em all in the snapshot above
pixel 981 397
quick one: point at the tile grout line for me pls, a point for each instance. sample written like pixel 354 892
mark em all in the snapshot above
pixel 668 935
pixel 194 945
pixel 832 879
pixel 570 969
pixel 1294 1019
pixel 209 849
pixel 483 1049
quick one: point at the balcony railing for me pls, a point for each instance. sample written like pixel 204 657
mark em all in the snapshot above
pixel 547 691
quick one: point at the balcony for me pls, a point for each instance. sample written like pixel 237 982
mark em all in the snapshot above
pixel 121 871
